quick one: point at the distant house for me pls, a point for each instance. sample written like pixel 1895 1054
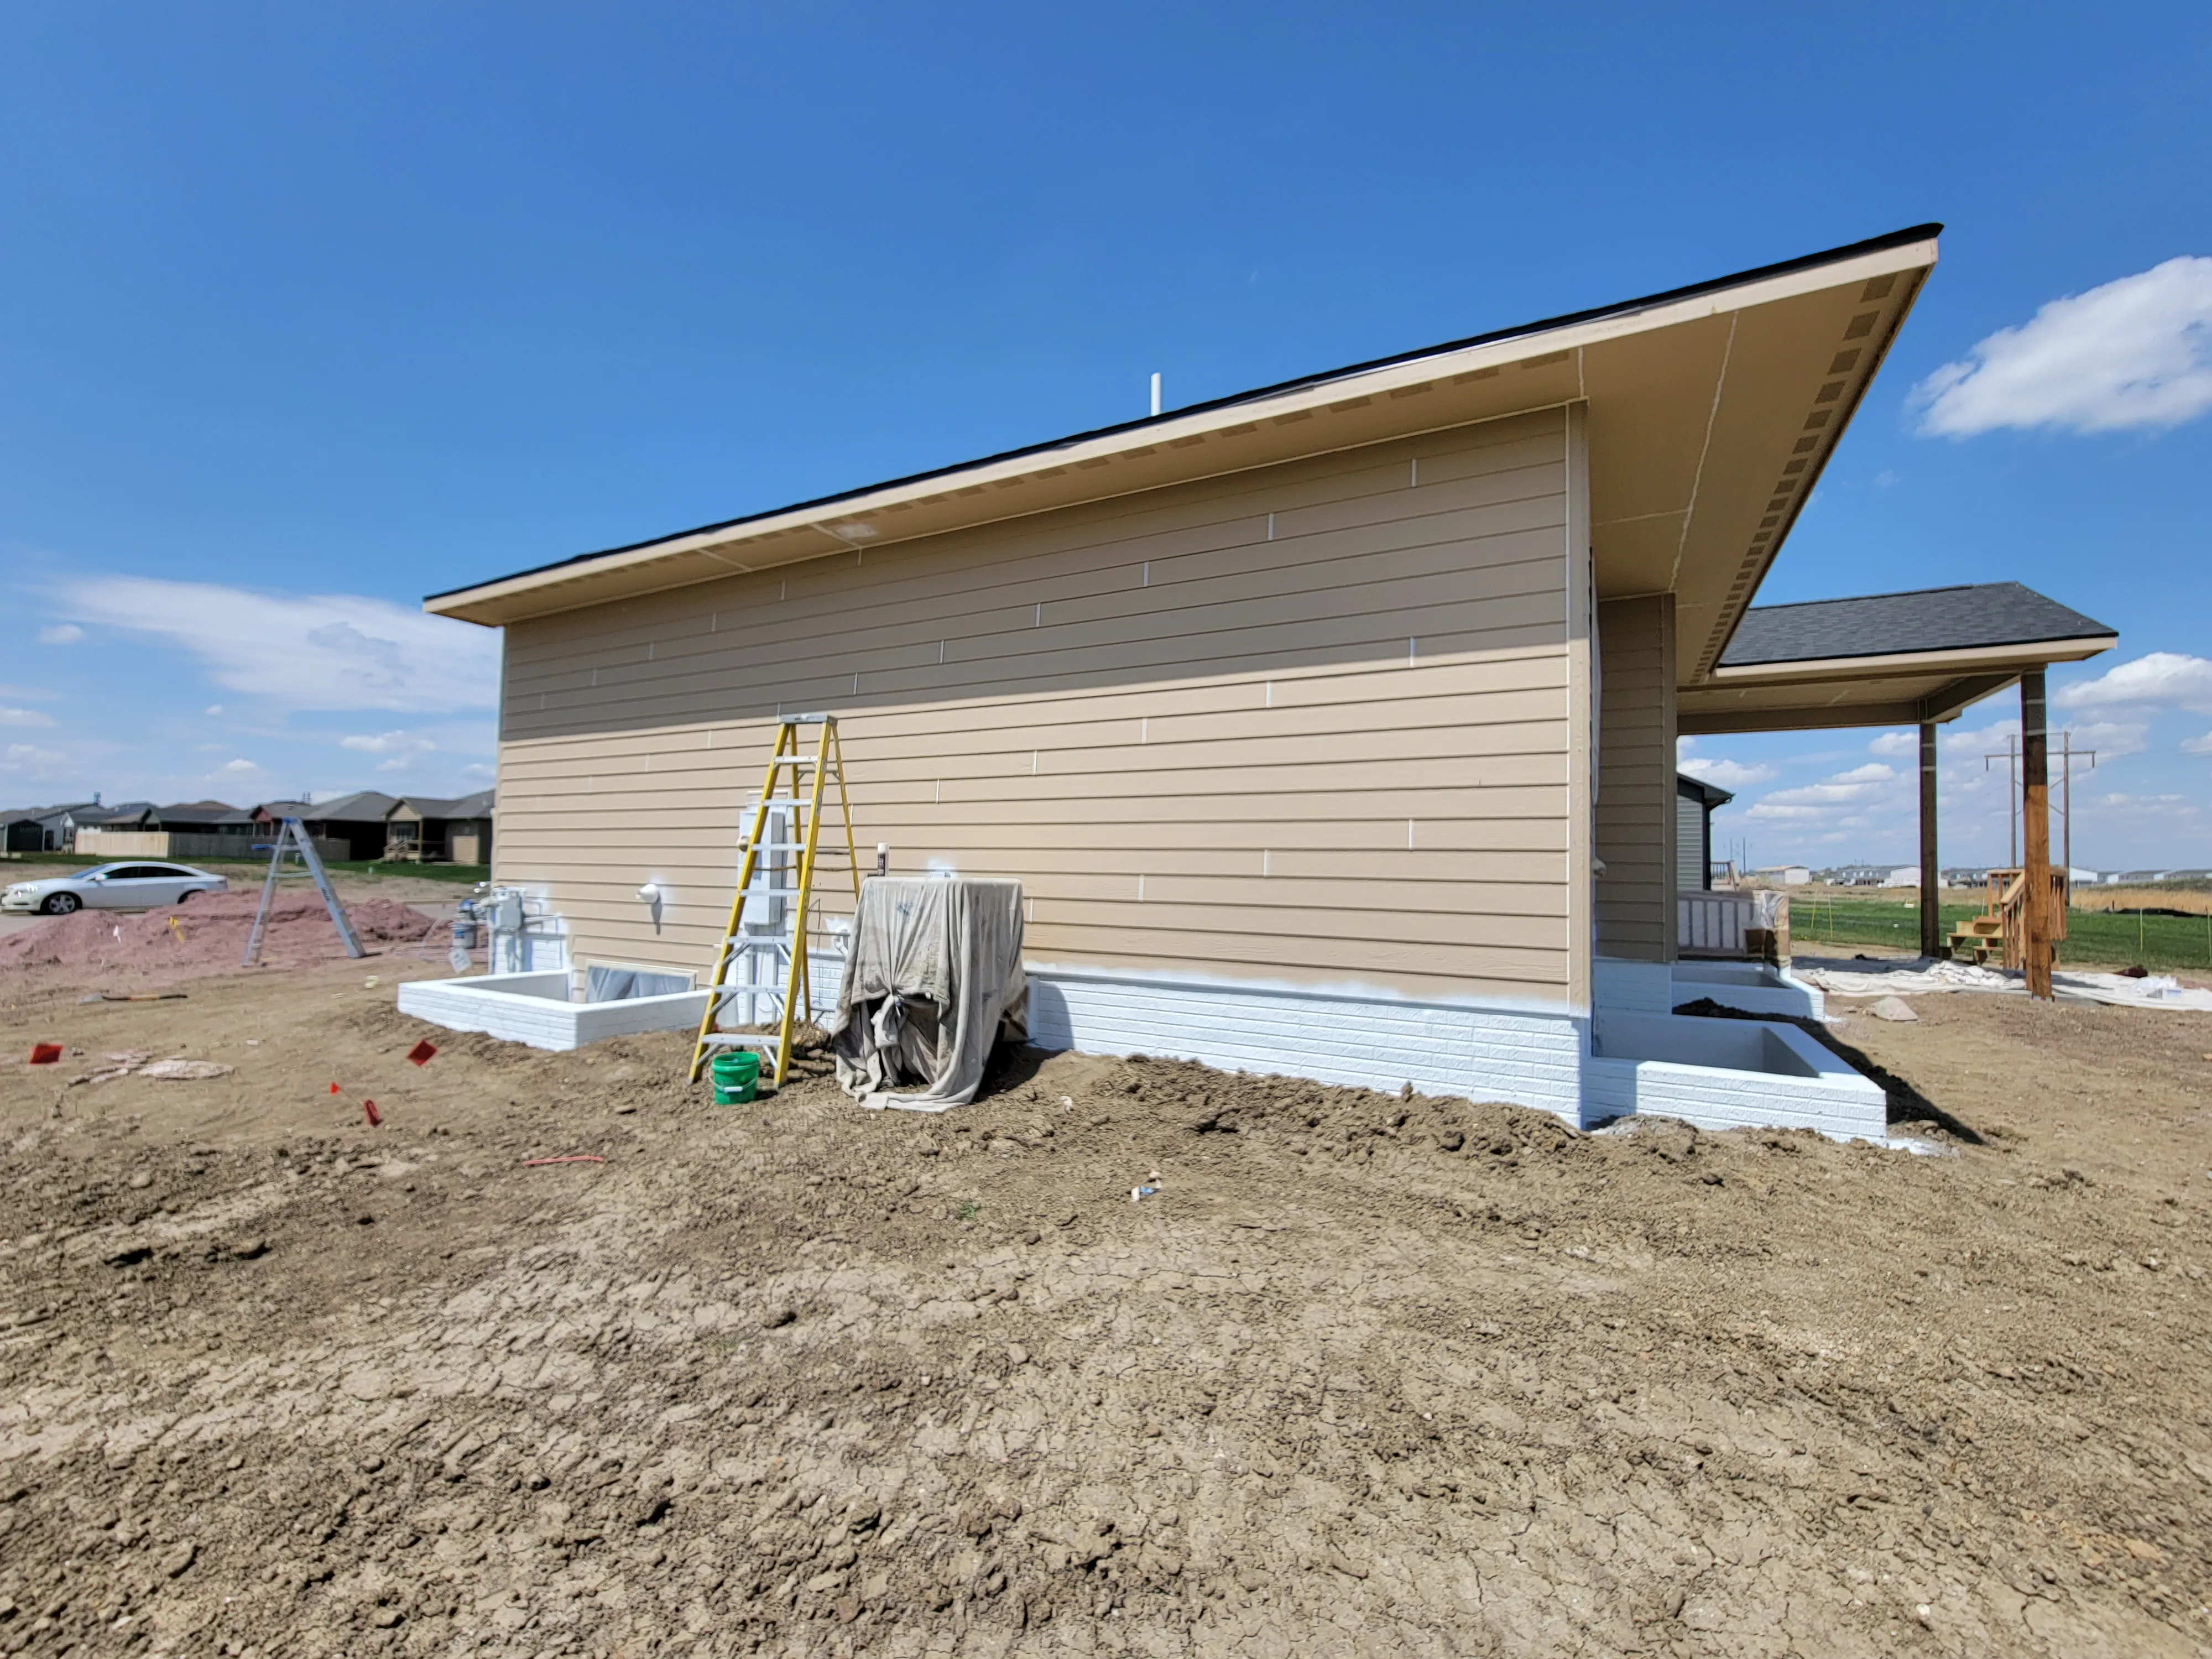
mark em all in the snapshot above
pixel 1785 875
pixel 25 830
pixel 355 821
pixel 190 829
pixel 372 826
pixel 1869 875
pixel 72 822
pixel 1695 803
pixel 208 817
pixel 428 829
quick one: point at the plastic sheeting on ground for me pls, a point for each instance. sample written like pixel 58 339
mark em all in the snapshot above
pixel 1860 977
pixel 936 971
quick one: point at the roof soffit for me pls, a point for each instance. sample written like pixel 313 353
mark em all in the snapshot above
pixel 1696 407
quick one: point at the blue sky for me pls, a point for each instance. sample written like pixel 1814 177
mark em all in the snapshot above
pixel 308 311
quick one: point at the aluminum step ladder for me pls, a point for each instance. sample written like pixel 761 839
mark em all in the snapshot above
pixel 294 838
pixel 782 852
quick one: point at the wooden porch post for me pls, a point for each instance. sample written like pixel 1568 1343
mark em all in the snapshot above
pixel 1931 916
pixel 2035 790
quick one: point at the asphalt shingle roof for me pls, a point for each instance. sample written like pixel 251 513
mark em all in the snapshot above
pixel 1890 624
pixel 364 806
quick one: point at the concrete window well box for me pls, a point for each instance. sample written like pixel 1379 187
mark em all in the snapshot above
pixel 1728 1074
pixel 1756 987
pixel 553 1011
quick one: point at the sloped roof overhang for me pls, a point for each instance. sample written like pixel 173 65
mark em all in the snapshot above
pixel 1713 410
pixel 1902 688
pixel 1883 659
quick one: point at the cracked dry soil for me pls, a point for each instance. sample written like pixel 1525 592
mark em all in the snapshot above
pixel 1370 1375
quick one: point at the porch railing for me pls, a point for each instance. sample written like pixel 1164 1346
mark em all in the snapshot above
pixel 1750 925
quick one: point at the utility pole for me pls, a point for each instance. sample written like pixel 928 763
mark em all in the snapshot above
pixel 2011 758
pixel 2068 754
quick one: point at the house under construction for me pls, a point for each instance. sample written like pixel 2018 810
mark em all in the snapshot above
pixel 1329 728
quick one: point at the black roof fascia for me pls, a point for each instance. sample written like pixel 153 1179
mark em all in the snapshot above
pixel 1625 308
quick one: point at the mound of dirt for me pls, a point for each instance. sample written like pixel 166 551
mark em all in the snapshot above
pixel 207 935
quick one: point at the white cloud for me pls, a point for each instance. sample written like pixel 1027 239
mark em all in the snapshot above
pixel 239 767
pixel 61 633
pixel 483 773
pixel 1883 479
pixel 1989 739
pixel 1724 774
pixel 2167 677
pixel 29 693
pixel 2135 353
pixel 1898 745
pixel 2110 739
pixel 1810 800
pixel 215 709
pixel 2198 745
pixel 24 717
pixel 406 749
pixel 387 742
pixel 2178 808
pixel 293 651
pixel 1773 810
pixel 27 758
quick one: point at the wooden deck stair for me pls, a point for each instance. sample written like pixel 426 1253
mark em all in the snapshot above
pixel 1975 938
pixel 2002 928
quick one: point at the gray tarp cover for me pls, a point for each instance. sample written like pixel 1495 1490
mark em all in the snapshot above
pixel 936 968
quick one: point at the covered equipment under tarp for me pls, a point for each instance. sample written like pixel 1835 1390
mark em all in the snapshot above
pixel 935 973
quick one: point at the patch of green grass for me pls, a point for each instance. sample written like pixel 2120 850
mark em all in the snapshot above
pixel 2095 939
pixel 468 873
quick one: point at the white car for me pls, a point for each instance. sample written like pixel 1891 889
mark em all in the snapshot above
pixel 113 887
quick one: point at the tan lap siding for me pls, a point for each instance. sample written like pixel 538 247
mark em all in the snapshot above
pixel 1306 724
pixel 1636 778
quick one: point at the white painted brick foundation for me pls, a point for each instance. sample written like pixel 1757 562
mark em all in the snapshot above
pixel 1751 987
pixel 1638 1058
pixel 1358 1040
pixel 534 1009
pixel 537 1009
pixel 1716 1073
pixel 1726 1074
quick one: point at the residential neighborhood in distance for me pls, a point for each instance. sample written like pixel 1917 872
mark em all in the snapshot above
pixel 362 827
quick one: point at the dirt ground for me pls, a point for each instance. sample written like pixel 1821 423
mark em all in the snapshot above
pixel 1367 1375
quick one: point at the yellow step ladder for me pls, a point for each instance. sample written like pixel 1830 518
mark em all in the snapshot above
pixel 778 931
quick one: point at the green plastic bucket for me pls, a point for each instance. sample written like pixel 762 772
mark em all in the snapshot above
pixel 736 1076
